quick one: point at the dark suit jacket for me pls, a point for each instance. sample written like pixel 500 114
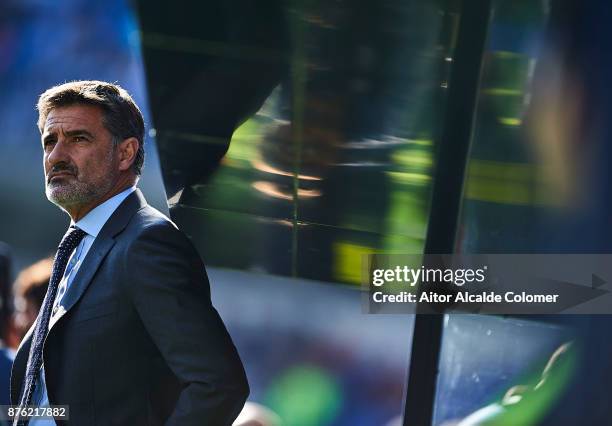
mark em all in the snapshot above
pixel 139 342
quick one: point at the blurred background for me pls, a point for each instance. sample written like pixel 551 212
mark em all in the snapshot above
pixel 288 139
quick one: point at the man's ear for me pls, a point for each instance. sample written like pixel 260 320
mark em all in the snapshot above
pixel 127 153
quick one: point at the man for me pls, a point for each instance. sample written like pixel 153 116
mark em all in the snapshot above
pixel 127 334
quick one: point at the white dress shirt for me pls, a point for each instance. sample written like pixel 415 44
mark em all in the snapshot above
pixel 91 223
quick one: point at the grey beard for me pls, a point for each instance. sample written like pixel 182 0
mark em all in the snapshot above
pixel 75 193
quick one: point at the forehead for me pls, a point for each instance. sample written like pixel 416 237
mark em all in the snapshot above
pixel 73 117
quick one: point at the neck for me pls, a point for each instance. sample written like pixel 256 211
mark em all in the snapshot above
pixel 77 212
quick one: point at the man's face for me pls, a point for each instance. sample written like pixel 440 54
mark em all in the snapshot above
pixel 80 160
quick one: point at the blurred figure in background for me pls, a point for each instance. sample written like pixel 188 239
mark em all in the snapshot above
pixel 6 354
pixel 29 289
pixel 18 310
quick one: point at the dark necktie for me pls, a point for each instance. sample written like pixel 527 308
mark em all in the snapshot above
pixel 70 241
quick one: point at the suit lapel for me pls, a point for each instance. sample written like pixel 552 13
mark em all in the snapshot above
pixel 87 270
pixel 98 251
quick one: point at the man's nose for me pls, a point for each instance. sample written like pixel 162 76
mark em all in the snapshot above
pixel 58 153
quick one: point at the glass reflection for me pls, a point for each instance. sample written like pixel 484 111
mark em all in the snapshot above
pixel 339 154
pixel 481 369
pixel 538 182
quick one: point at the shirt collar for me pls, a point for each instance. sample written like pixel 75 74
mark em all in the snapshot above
pixel 93 221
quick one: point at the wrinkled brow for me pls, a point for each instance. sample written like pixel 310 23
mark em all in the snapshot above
pixel 69 133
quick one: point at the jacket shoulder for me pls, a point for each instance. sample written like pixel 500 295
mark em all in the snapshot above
pixel 149 219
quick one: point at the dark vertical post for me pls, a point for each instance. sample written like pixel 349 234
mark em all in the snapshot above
pixel 451 159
